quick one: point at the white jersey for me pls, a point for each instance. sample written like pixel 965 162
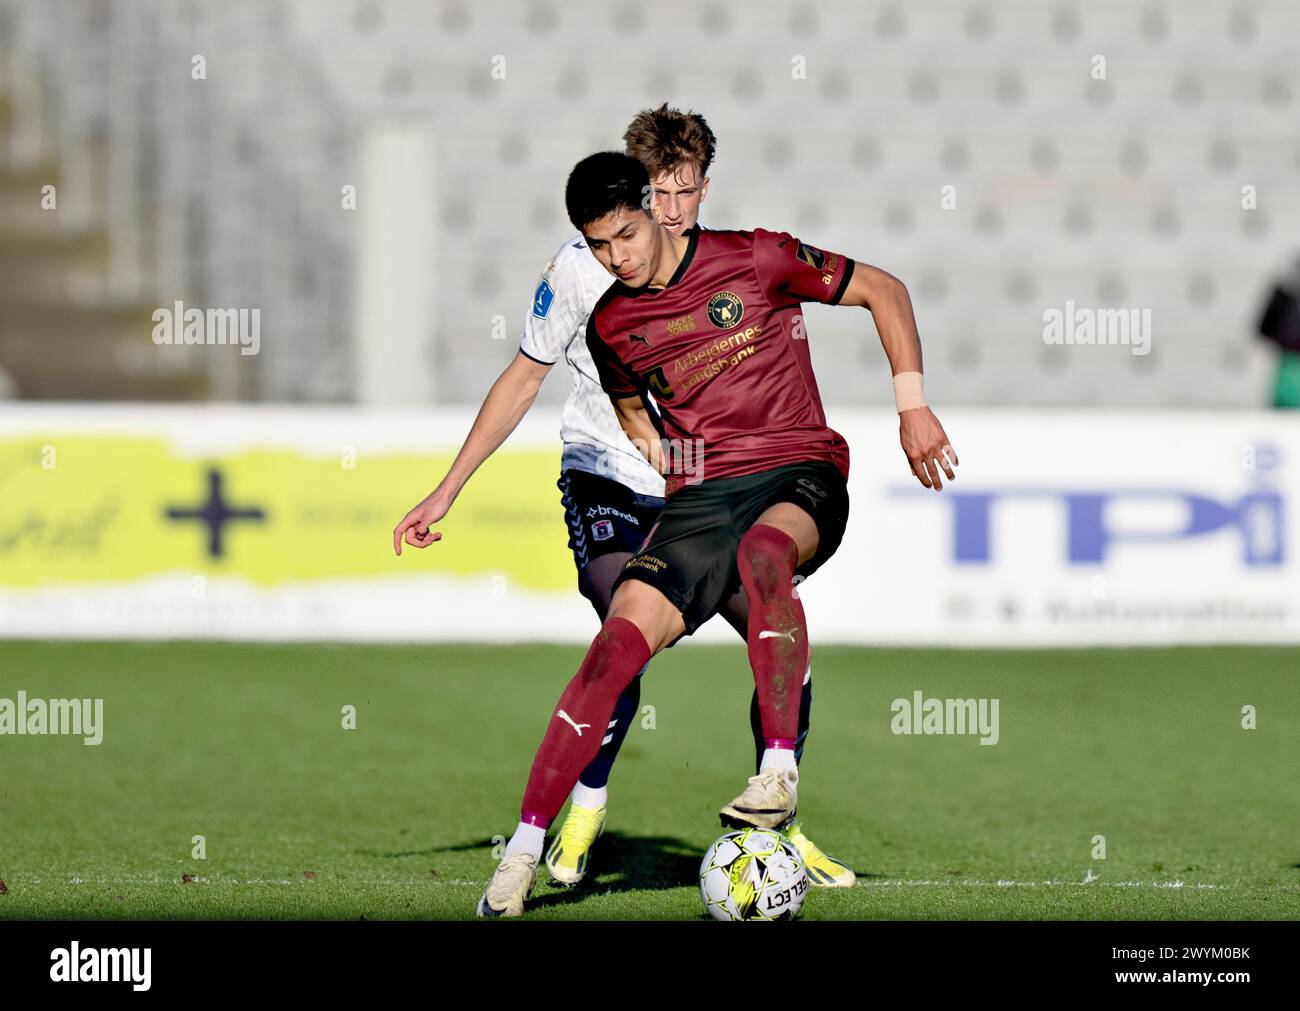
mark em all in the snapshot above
pixel 556 326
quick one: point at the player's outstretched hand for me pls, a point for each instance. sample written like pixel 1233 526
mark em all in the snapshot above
pixel 414 528
pixel 926 445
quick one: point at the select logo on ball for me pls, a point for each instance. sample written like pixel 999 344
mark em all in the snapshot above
pixel 753 874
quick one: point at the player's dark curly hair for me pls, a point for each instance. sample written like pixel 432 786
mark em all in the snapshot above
pixel 604 182
pixel 664 138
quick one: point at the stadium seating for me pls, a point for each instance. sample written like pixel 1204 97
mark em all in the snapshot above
pixel 1122 192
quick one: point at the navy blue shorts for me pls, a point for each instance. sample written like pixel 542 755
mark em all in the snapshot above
pixel 604 516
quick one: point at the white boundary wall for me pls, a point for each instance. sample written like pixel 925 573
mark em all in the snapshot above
pixel 1064 528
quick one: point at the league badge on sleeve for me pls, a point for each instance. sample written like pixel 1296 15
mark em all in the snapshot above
pixel 542 299
pixel 810 255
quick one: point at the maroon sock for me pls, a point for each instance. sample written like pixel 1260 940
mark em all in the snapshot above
pixel 767 558
pixel 581 718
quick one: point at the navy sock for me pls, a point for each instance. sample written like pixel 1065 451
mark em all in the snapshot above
pixel 596 774
pixel 756 725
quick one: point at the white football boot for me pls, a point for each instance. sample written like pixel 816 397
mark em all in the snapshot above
pixel 511 884
pixel 769 801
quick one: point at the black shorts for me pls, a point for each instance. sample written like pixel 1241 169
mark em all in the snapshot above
pixel 604 516
pixel 691 555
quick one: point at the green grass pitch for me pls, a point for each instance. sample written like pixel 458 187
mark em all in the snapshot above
pixel 244 746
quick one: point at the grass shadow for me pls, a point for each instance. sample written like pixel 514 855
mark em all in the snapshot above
pixel 627 863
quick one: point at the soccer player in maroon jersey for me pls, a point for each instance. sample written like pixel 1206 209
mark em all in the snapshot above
pixel 708 324
pixel 611 493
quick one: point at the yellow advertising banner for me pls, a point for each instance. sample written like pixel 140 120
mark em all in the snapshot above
pixel 93 508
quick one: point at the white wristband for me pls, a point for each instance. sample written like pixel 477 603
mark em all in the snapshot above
pixel 908 391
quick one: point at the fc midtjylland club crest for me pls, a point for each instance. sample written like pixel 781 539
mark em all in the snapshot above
pixel 725 309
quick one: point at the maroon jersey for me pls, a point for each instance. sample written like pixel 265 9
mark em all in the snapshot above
pixel 724 352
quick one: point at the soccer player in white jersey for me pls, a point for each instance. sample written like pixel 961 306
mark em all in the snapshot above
pixel 611 494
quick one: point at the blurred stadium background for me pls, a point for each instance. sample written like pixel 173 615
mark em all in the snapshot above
pixel 382 183
pixel 226 191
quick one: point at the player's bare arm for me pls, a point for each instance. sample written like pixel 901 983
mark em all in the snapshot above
pixel 923 439
pixel 641 432
pixel 503 408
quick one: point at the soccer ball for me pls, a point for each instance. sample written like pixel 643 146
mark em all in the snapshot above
pixel 753 874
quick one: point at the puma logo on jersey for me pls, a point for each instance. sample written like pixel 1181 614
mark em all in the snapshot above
pixel 768 634
pixel 643 338
pixel 569 720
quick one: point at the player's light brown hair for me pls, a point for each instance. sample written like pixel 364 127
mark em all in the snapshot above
pixel 664 138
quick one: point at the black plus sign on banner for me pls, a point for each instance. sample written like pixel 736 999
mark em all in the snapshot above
pixel 215 513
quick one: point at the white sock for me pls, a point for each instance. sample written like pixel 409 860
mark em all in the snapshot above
pixel 527 839
pixel 779 758
pixel 590 796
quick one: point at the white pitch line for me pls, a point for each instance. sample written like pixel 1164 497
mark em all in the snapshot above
pixel 458 882
pixel 1036 884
